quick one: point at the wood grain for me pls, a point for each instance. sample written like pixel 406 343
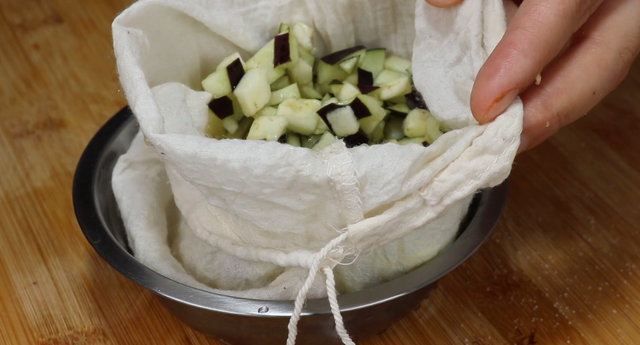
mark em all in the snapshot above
pixel 562 266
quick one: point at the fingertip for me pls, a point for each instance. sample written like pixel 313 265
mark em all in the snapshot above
pixel 524 143
pixel 443 3
pixel 485 112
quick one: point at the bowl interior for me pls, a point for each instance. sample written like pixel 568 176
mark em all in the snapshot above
pixel 99 218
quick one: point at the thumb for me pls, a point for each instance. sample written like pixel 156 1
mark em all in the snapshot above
pixel 443 3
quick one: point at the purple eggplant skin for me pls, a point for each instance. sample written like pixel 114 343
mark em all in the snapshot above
pixel 222 107
pixel 415 100
pixel 397 114
pixel 281 50
pixel 324 111
pixel 365 89
pixel 336 57
pixel 355 139
pixel 235 72
pixel 328 108
pixel 364 77
pixel 359 109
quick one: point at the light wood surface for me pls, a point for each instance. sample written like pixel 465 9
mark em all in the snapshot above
pixel 561 267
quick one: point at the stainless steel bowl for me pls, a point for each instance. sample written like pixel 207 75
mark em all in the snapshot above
pixel 244 321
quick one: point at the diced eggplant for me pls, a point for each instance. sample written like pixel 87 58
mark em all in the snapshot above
pixel 284 28
pixel 276 96
pixel 237 109
pixel 307 91
pixel 349 65
pixel 214 127
pixel 347 92
pixel 321 127
pixel 338 56
pixel 396 63
pixel 253 92
pixel 407 141
pixel 365 77
pixel 235 71
pixel 352 78
pixel 360 54
pixel 328 100
pixel 293 139
pixel 360 109
pixel 282 82
pixel 264 59
pixel 327 108
pixel 310 141
pixel 335 87
pixel 355 140
pixel 282 50
pixel 328 73
pixel 415 100
pixel 365 106
pixel 217 83
pixel 325 99
pixel 387 76
pixel 300 114
pixel 396 114
pixel 228 60
pixel 393 129
pixel 378 134
pixel 243 129
pixel 342 121
pixel 274 74
pixel 269 128
pixel 395 88
pixel 415 124
pixel 308 57
pixel 400 108
pixel 290 91
pixel 325 140
pixel 369 123
pixel 433 129
pixel 222 107
pixel 366 89
pixel 304 35
pixel 397 100
pixel 230 124
pixel 301 72
pixel 374 61
pixel 323 89
pixel 266 111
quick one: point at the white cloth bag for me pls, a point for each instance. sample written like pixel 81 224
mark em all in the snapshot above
pixel 262 219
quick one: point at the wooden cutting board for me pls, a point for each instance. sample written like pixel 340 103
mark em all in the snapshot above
pixel 561 267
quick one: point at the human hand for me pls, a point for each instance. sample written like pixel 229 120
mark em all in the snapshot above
pixel 582 48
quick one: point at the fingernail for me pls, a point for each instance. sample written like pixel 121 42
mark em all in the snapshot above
pixel 524 144
pixel 500 105
pixel 443 3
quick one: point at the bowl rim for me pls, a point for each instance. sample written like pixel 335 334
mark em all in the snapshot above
pixel 92 223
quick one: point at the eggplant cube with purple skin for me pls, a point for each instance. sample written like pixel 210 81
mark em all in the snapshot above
pixel 254 91
pixel 283 93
